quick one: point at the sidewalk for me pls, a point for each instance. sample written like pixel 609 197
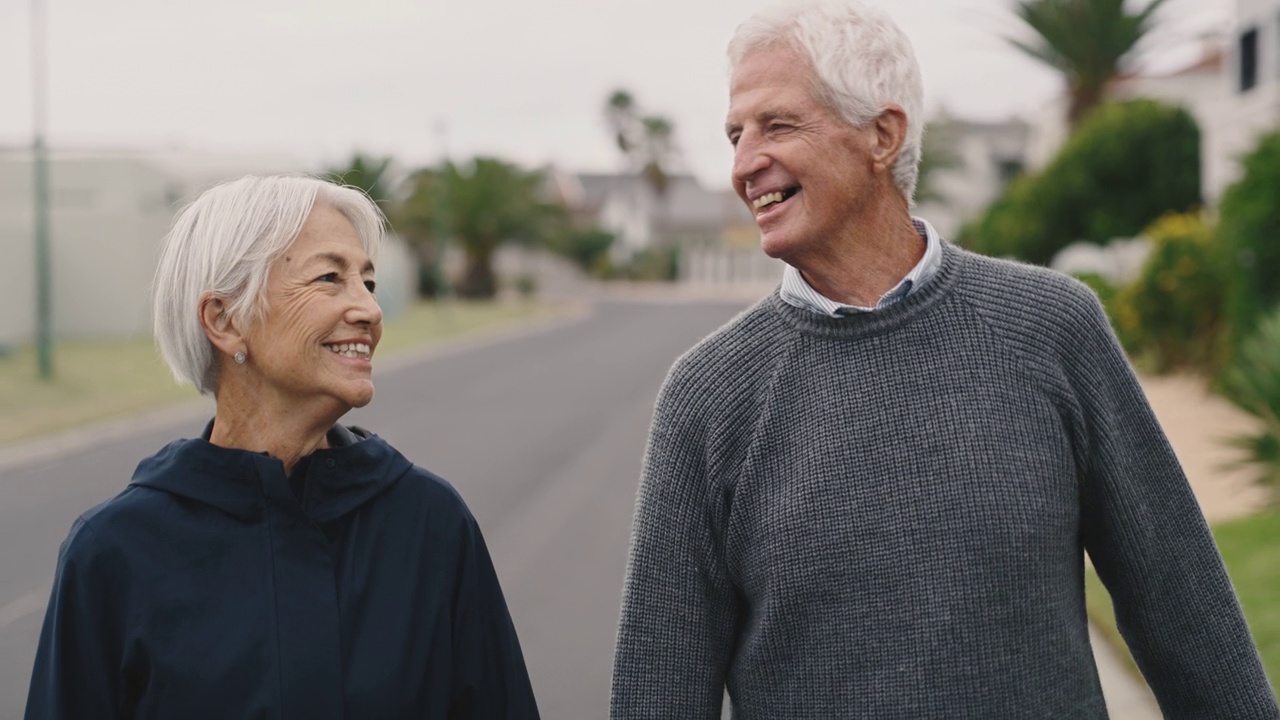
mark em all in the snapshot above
pixel 1195 422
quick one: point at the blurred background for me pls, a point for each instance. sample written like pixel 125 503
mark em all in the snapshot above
pixel 557 180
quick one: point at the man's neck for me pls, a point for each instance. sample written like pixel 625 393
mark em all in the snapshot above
pixel 859 270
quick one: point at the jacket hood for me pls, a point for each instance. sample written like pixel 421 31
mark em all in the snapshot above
pixel 357 467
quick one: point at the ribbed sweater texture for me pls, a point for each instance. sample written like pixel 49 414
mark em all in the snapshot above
pixel 886 515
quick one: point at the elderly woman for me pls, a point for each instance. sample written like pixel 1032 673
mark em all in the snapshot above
pixel 281 565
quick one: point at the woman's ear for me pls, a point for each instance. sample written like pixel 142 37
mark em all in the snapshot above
pixel 218 326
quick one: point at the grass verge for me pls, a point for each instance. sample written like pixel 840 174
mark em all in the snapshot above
pixel 104 379
pixel 1251 552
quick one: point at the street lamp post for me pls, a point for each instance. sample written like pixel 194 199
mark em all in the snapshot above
pixel 44 281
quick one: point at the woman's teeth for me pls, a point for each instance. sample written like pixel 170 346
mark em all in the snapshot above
pixel 351 350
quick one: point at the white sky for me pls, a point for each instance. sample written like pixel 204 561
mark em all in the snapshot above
pixel 521 79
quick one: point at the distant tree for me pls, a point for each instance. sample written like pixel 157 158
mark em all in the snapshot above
pixel 479 205
pixel 1249 231
pixel 367 173
pixel 647 142
pixel 936 154
pixel 1128 164
pixel 1086 40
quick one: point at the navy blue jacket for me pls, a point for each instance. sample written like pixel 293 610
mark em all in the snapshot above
pixel 212 587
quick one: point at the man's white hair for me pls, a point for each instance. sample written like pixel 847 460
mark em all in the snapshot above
pixel 225 242
pixel 861 62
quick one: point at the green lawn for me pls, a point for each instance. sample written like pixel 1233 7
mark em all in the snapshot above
pixel 98 380
pixel 1251 550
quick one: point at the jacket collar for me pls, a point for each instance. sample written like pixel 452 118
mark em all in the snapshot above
pixel 357 467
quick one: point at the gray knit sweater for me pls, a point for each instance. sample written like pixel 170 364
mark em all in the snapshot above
pixel 885 516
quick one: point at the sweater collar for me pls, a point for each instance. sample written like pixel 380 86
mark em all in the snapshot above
pixel 949 270
pixel 357 467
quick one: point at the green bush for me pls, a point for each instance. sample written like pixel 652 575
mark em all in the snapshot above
pixel 588 248
pixel 1171 316
pixel 1127 164
pixel 1252 382
pixel 1249 230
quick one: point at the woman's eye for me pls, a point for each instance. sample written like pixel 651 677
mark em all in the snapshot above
pixel 371 286
pixel 328 277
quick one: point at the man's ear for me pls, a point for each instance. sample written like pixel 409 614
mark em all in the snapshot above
pixel 225 334
pixel 891 133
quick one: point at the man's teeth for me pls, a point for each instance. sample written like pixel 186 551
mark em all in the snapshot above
pixel 351 350
pixel 766 200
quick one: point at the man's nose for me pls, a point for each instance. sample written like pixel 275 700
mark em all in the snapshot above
pixel 748 160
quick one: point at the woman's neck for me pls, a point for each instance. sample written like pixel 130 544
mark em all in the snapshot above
pixel 257 424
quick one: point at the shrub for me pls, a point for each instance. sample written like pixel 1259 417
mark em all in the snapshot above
pixel 1252 382
pixel 1249 230
pixel 1126 165
pixel 588 248
pixel 1172 314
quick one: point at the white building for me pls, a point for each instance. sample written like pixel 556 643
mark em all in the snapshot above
pixel 1251 80
pixel 108 212
pixel 985 157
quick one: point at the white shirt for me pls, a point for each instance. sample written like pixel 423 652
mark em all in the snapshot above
pixel 795 291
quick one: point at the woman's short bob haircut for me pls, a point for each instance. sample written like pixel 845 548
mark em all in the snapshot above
pixel 224 243
pixel 861 62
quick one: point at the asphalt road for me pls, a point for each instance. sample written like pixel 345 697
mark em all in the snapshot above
pixel 542 435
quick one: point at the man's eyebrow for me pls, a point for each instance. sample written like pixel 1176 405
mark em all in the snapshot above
pixel 763 117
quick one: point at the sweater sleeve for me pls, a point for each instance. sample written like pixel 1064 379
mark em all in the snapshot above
pixel 1150 544
pixel 79 661
pixel 679 609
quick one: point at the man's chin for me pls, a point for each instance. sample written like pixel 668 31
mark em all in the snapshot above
pixel 776 245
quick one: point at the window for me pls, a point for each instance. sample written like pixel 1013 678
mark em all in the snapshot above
pixel 1248 59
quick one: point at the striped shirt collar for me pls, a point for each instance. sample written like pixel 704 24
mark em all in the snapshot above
pixel 795 291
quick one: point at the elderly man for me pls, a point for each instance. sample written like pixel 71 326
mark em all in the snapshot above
pixel 870 494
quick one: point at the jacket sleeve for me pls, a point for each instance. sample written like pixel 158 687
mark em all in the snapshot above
pixel 491 681
pixel 77 673
pixel 1150 544
pixel 679 607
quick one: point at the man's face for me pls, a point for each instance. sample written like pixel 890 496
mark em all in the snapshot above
pixel 802 171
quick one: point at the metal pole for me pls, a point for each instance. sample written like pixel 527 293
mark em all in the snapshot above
pixel 44 280
pixel 442 219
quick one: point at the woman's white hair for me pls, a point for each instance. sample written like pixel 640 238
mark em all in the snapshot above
pixel 224 243
pixel 861 61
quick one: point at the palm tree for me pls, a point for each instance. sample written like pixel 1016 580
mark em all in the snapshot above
pixel 479 205
pixel 1086 40
pixel 647 142
pixel 367 173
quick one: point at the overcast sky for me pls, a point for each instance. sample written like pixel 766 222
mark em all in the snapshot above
pixel 524 80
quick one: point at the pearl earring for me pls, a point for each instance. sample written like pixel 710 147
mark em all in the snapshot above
pixel 239 357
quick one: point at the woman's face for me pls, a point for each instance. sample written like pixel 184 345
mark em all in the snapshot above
pixel 315 340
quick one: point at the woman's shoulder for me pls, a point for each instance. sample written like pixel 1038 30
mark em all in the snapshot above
pixel 424 493
pixel 110 529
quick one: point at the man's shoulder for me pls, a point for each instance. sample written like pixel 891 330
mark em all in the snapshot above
pixel 1020 290
pixel 1043 312
pixel 736 344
